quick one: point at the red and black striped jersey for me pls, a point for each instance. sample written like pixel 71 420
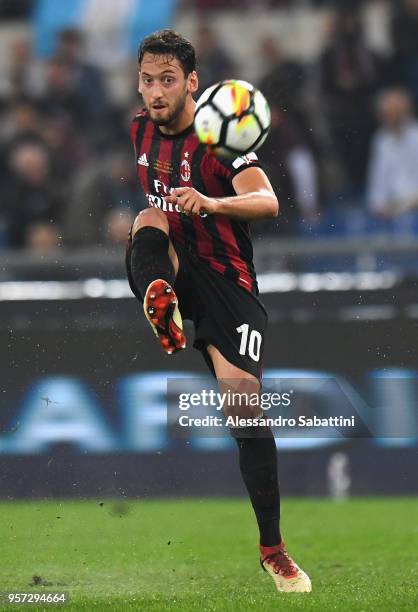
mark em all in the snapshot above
pixel 165 162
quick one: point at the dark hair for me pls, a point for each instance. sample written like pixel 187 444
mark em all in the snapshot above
pixel 169 42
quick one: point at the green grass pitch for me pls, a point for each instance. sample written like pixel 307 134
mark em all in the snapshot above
pixel 201 554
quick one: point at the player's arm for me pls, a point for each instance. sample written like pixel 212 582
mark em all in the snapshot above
pixel 255 198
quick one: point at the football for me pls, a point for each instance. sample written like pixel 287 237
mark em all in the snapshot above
pixel 232 117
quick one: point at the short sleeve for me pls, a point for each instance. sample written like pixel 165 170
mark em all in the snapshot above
pixel 229 167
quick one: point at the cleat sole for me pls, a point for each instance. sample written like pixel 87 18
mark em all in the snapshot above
pixel 164 316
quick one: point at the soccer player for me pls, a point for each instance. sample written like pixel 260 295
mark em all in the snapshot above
pixel 190 255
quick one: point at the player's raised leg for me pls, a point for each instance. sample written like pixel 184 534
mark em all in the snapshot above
pixel 152 266
pixel 258 465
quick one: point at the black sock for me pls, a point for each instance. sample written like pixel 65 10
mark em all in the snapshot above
pixel 147 259
pixel 258 464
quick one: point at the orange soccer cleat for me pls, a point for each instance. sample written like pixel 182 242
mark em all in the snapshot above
pixel 163 314
pixel 287 575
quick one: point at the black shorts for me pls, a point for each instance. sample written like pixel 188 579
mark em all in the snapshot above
pixel 224 315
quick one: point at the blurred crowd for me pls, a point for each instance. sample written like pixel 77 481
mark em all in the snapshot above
pixel 66 167
pixel 344 135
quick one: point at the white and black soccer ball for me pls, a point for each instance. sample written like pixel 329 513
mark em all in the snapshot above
pixel 233 117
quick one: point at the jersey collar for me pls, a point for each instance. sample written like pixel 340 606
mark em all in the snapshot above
pixel 184 132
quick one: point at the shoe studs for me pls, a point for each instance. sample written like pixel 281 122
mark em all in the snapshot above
pixel 160 303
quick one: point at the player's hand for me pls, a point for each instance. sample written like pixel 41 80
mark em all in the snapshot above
pixel 191 202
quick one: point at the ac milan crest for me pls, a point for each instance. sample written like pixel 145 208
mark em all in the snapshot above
pixel 185 171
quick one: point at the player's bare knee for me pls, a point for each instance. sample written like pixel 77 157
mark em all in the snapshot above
pixel 242 397
pixel 153 217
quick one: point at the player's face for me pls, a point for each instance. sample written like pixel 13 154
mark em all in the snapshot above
pixel 163 87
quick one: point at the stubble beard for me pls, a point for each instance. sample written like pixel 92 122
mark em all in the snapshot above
pixel 173 116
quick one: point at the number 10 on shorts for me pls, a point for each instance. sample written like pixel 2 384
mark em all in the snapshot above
pixel 250 342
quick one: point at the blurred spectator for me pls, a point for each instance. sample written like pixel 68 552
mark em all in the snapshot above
pixel 24 123
pixel 283 80
pixel 59 97
pixel 42 237
pixel 66 146
pixel 350 76
pixel 33 202
pixel 21 118
pixel 87 82
pixel 20 121
pixel 292 171
pixel 213 62
pixel 25 74
pixel 105 200
pixel 393 175
pixel 404 29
